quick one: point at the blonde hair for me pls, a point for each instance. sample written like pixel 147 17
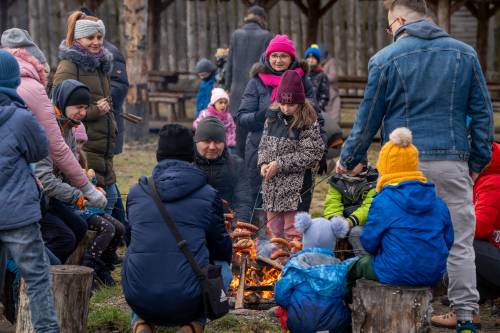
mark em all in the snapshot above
pixel 304 118
pixel 70 27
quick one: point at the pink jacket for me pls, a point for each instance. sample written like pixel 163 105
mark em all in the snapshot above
pixel 225 117
pixel 32 91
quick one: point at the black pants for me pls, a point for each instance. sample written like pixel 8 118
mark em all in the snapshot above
pixel 109 236
pixel 62 230
pixel 241 139
pixel 487 269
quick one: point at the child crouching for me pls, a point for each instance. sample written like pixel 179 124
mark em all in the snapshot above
pixel 311 289
pixel 291 146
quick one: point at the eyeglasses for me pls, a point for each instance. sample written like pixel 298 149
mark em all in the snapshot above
pixel 397 19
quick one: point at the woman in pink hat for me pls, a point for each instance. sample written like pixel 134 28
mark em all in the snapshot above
pixel 260 93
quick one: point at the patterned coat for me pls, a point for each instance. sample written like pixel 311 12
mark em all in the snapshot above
pixel 296 152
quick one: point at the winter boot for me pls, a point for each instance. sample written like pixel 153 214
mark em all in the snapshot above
pixel 103 274
pixel 90 262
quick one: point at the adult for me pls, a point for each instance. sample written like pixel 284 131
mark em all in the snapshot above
pixel 246 46
pixel 260 93
pixel 33 69
pixel 332 109
pixel 23 142
pixel 226 172
pixel 83 58
pixel 158 282
pixel 430 82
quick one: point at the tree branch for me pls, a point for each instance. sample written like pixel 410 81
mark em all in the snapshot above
pixel 473 9
pixel 326 8
pixel 303 8
pixel 456 5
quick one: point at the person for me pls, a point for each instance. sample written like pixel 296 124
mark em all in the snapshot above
pixel 218 108
pixel 318 78
pixel 158 282
pixel 206 71
pixel 350 197
pixel 260 93
pixel 291 146
pixel 332 108
pixel 221 55
pixel 310 292
pixel 408 232
pixel 23 142
pixel 486 193
pixel 430 82
pixel 83 58
pixel 226 172
pixel 34 69
pixel 245 47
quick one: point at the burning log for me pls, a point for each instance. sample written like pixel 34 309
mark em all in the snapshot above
pixel 240 293
pixel 270 262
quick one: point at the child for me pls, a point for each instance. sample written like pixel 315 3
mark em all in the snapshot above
pixel 290 147
pixel 318 78
pixel 408 232
pixel 311 289
pixel 219 108
pixel 206 71
pixel 350 197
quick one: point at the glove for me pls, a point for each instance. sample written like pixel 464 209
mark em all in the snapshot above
pixel 95 198
pixel 260 116
pixel 323 165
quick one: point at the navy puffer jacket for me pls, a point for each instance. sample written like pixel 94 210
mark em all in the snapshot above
pixel 158 282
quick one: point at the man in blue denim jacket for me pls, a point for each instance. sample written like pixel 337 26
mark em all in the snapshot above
pixel 429 82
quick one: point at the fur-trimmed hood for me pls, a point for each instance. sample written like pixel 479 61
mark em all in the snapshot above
pixel 29 66
pixel 86 62
pixel 263 66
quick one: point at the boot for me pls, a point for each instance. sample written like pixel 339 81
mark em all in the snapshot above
pixel 449 320
pixel 103 274
pixel 89 261
pixel 140 326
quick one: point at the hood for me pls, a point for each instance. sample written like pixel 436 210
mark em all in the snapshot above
pixel 9 96
pixel 311 259
pixel 6 109
pixel 63 91
pixel 425 29
pixel 494 166
pixel 412 196
pixel 117 54
pixel 176 179
pixel 263 66
pixel 85 61
pixel 29 66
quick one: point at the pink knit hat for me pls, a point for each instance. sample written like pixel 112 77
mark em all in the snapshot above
pixel 281 43
pixel 218 93
pixel 80 133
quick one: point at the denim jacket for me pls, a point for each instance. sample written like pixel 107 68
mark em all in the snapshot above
pixel 428 82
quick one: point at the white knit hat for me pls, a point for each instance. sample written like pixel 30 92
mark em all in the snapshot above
pixel 218 93
pixel 85 28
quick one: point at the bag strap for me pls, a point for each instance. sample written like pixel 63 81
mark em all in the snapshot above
pixel 181 243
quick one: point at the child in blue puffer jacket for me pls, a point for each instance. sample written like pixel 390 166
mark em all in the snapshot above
pixel 311 290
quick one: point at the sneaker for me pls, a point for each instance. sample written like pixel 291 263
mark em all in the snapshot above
pixel 449 320
pixel 466 327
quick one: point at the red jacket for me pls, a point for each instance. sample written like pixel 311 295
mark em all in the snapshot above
pixel 487 200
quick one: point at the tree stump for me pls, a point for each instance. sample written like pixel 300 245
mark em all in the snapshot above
pixel 383 308
pixel 71 286
pixel 76 257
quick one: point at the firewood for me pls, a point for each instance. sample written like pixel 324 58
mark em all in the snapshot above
pixel 240 293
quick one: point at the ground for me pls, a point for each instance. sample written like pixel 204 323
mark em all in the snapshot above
pixel 108 310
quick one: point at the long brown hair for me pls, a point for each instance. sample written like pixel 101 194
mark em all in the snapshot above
pixel 304 118
pixel 70 28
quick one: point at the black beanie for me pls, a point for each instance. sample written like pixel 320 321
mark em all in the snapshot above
pixel 175 143
pixel 79 96
pixel 210 129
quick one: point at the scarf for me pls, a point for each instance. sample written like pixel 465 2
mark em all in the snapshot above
pixel 100 56
pixel 398 177
pixel 273 80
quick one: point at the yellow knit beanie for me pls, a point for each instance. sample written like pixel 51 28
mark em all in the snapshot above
pixel 398 159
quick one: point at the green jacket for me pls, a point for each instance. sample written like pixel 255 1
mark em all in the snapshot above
pixel 350 198
pixel 101 128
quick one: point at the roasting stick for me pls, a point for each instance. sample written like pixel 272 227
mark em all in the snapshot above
pixel 240 293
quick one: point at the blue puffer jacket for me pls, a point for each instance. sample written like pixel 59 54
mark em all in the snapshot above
pixel 408 233
pixel 428 82
pixel 23 141
pixel 204 94
pixel 312 289
pixel 158 282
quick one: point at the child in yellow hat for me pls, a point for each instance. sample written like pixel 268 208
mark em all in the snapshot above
pixel 408 232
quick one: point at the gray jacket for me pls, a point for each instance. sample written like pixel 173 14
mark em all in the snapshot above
pixel 246 46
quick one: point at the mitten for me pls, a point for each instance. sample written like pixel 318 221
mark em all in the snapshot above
pixel 95 198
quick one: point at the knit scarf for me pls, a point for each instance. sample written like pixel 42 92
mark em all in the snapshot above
pixel 273 80
pixel 398 177
pixel 222 116
pixel 100 56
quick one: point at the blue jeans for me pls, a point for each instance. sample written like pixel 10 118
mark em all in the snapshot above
pixel 112 196
pixel 227 277
pixel 25 246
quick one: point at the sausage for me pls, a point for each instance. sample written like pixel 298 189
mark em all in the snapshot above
pixel 296 244
pixel 247 226
pixel 279 253
pixel 241 234
pixel 243 243
pixel 280 241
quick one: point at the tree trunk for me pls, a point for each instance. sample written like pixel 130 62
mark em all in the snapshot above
pixel 483 26
pixel 76 257
pixel 136 26
pixel 4 15
pixel 313 17
pixel 154 32
pixel 384 308
pixel 71 286
pixel 444 14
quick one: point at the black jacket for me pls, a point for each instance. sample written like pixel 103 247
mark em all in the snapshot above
pixel 321 87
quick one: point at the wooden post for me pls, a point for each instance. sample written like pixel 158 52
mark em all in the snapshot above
pixel 443 14
pixel 71 286
pixel 136 26
pixel 384 308
pixel 76 257
pixel 4 15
